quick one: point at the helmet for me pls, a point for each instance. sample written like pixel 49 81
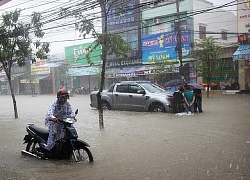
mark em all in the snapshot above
pixel 62 92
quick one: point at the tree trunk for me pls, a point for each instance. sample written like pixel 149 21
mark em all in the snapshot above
pixel 208 87
pixel 100 110
pixel 104 55
pixel 13 97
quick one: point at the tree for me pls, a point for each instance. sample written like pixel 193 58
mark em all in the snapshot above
pixel 62 73
pixel 207 54
pixel 16 43
pixel 112 44
pixel 30 78
pixel 162 72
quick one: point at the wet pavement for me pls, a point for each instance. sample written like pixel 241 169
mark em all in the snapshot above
pixel 135 145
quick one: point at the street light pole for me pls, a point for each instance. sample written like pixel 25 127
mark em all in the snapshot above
pixel 178 37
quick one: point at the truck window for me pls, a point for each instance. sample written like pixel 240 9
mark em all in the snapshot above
pixel 123 88
pixel 134 88
pixel 111 88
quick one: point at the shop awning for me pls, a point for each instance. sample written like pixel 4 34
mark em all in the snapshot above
pixel 84 71
pixel 128 71
pixel 35 79
pixel 242 53
pixel 2 77
pixel 112 70
pixel 50 65
pixel 42 76
pixel 151 69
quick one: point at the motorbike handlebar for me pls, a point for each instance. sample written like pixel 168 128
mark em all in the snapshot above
pixel 69 120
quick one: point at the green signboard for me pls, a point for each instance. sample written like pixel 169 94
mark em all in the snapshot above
pixel 76 55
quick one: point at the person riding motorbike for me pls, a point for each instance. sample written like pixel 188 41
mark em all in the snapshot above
pixel 59 108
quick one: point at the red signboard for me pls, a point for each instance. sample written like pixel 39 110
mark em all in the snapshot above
pixel 244 38
pixel 247 63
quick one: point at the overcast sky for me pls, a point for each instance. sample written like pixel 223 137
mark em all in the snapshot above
pixel 221 2
pixel 58 38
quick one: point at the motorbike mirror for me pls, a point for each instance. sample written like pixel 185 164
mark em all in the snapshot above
pixel 76 112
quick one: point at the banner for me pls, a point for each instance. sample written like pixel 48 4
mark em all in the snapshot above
pixel 76 55
pixel 162 47
pixel 35 69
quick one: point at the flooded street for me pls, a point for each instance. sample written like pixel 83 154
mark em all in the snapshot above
pixel 135 145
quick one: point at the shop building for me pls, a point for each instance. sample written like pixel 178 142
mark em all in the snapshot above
pixel 159 32
pixel 242 54
pixel 128 26
pixel 81 72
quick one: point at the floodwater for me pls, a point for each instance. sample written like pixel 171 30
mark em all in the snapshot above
pixel 135 145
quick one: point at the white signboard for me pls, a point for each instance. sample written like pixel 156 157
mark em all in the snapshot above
pixel 243 16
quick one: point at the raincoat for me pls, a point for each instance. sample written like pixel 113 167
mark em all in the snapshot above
pixel 56 130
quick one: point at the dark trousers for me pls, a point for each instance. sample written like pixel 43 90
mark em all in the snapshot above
pixel 177 108
pixel 198 105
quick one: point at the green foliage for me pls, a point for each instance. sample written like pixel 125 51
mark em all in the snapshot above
pixel 116 45
pixel 163 69
pixel 16 43
pixel 63 71
pixel 208 56
pixel 113 43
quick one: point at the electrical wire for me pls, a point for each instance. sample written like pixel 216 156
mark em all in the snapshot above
pixel 71 24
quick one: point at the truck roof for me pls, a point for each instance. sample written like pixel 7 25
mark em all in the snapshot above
pixel 129 82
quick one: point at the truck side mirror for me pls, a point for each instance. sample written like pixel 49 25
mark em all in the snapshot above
pixel 141 92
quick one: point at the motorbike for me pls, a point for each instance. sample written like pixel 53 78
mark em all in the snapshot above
pixel 81 90
pixel 69 147
pixel 230 84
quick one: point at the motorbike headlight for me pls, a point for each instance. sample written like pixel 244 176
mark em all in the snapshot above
pixel 70 120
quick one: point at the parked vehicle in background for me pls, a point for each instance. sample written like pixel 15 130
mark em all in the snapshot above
pixel 230 84
pixel 81 90
pixel 134 96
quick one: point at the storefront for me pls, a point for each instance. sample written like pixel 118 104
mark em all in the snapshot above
pixel 84 77
pixel 242 54
pixel 37 84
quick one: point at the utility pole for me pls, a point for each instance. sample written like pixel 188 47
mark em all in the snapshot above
pixel 178 37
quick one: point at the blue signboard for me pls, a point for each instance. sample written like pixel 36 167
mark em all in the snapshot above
pixel 118 17
pixel 161 47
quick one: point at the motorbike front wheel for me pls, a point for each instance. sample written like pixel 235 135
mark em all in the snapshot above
pixel 82 154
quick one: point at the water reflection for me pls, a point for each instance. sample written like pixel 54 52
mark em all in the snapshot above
pixel 135 145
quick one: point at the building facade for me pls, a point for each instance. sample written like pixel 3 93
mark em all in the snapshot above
pixel 242 54
pixel 197 19
pixel 82 73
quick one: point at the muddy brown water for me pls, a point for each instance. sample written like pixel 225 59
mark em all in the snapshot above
pixel 135 145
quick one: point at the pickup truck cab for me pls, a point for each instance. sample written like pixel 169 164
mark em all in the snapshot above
pixel 134 96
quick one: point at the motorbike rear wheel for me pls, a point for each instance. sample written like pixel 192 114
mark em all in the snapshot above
pixel 33 147
pixel 82 154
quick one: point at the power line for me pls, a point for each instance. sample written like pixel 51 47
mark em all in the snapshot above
pixel 69 24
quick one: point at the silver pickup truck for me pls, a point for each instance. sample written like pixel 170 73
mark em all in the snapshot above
pixel 134 96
